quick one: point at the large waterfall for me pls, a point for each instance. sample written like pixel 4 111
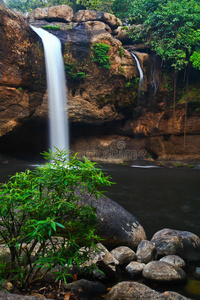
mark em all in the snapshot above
pixel 140 73
pixel 56 85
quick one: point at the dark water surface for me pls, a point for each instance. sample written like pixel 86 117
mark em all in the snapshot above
pixel 158 197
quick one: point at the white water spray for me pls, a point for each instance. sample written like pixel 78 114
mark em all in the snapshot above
pixel 56 85
pixel 140 73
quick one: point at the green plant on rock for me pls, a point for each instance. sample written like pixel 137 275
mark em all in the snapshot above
pixel 76 70
pixel 52 27
pixel 20 89
pixel 121 51
pixel 100 55
pixel 45 217
pixel 73 73
pixel 121 70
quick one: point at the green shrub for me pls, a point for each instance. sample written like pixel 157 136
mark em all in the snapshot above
pixel 121 51
pixel 20 89
pixel 100 56
pixel 52 27
pixel 75 73
pixel 43 221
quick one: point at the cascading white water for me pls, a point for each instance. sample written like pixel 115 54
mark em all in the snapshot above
pixel 140 73
pixel 56 85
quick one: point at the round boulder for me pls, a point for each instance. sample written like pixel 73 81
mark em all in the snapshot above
pixel 62 13
pixel 124 255
pixel 91 15
pixel 134 269
pixel 146 252
pixel 174 260
pixel 116 226
pixel 134 290
pixel 160 271
pixel 174 242
pixel 86 287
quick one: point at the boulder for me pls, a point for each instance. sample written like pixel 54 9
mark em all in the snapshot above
pixel 134 269
pixel 124 255
pixel 8 296
pixel 160 271
pixel 91 15
pixel 58 13
pixel 146 252
pixel 174 242
pixel 109 266
pixel 121 33
pixel 85 287
pixel 174 260
pixel 134 290
pixel 5 254
pixel 87 15
pixel 104 260
pixel 115 225
pixel 96 26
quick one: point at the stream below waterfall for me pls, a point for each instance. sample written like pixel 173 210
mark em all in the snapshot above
pixel 158 197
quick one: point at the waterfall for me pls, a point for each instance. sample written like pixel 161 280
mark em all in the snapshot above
pixel 140 73
pixel 56 85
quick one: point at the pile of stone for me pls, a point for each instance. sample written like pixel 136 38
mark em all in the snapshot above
pixel 160 261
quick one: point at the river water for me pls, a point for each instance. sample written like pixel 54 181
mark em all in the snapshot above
pixel 158 197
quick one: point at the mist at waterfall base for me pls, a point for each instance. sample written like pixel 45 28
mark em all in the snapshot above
pixel 56 86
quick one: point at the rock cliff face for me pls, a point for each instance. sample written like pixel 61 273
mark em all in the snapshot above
pixel 107 119
pixel 22 74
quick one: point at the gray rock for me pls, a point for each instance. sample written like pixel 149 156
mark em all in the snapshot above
pixel 174 260
pixel 8 296
pixel 124 255
pixel 146 252
pixel 5 254
pixel 134 269
pixel 84 286
pixel 105 261
pixel 109 266
pixel 115 225
pixel 160 271
pixel 174 242
pixel 133 290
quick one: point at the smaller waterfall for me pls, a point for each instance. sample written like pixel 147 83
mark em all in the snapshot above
pixel 140 73
pixel 56 85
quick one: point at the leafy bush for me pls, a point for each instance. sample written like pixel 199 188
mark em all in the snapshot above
pixel 100 55
pixel 42 219
pixel 73 72
pixel 52 27
pixel 121 51
pixel 195 59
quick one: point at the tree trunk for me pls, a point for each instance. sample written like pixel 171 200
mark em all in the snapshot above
pixel 174 107
pixel 186 102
